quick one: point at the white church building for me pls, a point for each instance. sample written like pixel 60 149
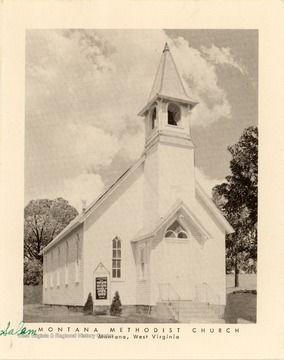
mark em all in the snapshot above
pixel 154 236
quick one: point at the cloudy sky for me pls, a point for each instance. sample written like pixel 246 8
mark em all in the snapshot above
pixel 84 89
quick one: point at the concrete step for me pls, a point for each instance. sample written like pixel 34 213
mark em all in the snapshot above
pixel 190 305
pixel 195 311
pixel 192 312
pixel 209 318
pixel 203 321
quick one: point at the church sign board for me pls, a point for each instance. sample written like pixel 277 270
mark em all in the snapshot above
pixel 101 288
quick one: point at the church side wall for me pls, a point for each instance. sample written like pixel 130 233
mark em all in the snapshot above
pixel 121 214
pixel 214 258
pixel 55 289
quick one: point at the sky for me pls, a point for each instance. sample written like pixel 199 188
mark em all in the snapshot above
pixel 84 89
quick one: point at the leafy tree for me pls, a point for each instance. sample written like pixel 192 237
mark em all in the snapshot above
pixel 32 272
pixel 237 199
pixel 116 308
pixel 44 219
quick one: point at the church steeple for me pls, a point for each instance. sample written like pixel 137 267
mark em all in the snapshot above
pixel 169 106
pixel 169 164
pixel 167 82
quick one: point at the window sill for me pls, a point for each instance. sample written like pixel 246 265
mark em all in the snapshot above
pixel 117 280
pixel 175 126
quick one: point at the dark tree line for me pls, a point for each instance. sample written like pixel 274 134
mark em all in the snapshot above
pixel 237 200
pixel 44 220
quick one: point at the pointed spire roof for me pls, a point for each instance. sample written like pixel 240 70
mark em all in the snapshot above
pixel 168 83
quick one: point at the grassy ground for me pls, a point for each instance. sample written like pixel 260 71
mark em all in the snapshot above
pixel 240 305
pixel 34 313
pixel 32 294
pixel 247 282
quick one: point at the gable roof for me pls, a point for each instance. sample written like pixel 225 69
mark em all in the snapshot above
pixel 179 205
pixel 167 84
pixel 79 219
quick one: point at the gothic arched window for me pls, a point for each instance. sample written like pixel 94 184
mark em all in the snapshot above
pixel 116 258
pixel 173 114
pixel 175 230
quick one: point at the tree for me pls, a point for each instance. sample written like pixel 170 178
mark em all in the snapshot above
pixel 44 219
pixel 237 200
pixel 32 272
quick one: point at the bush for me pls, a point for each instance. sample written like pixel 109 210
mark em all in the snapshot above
pixel 89 305
pixel 116 308
pixel 32 272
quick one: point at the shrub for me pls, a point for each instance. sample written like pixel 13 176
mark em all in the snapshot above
pixel 89 305
pixel 32 272
pixel 116 308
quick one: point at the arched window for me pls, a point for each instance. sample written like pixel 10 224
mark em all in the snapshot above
pixel 173 114
pixel 153 117
pixel 116 258
pixel 175 230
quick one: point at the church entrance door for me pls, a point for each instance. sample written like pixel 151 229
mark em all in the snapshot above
pixel 177 266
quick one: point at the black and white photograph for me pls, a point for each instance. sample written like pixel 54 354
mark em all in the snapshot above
pixel 141 176
pixel 141 172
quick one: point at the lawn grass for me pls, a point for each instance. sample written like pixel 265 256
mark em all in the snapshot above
pixel 240 305
pixel 32 294
pixel 35 313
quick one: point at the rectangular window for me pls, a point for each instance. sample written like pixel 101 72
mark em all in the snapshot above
pixel 77 265
pixel 116 258
pixel 58 267
pixel 51 270
pixel 66 264
pixel 45 272
pixel 142 260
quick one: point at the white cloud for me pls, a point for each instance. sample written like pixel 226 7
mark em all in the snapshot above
pixel 201 82
pixel 84 89
pixel 90 145
pixel 206 182
pixel 221 56
pixel 84 187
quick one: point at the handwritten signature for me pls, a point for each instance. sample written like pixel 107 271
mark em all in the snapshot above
pixel 21 330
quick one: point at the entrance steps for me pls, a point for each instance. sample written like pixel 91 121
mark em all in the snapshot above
pixel 186 311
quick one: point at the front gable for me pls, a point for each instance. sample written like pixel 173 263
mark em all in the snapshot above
pixel 181 213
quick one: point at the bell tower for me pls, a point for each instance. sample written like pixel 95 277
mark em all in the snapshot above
pixel 168 109
pixel 169 151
